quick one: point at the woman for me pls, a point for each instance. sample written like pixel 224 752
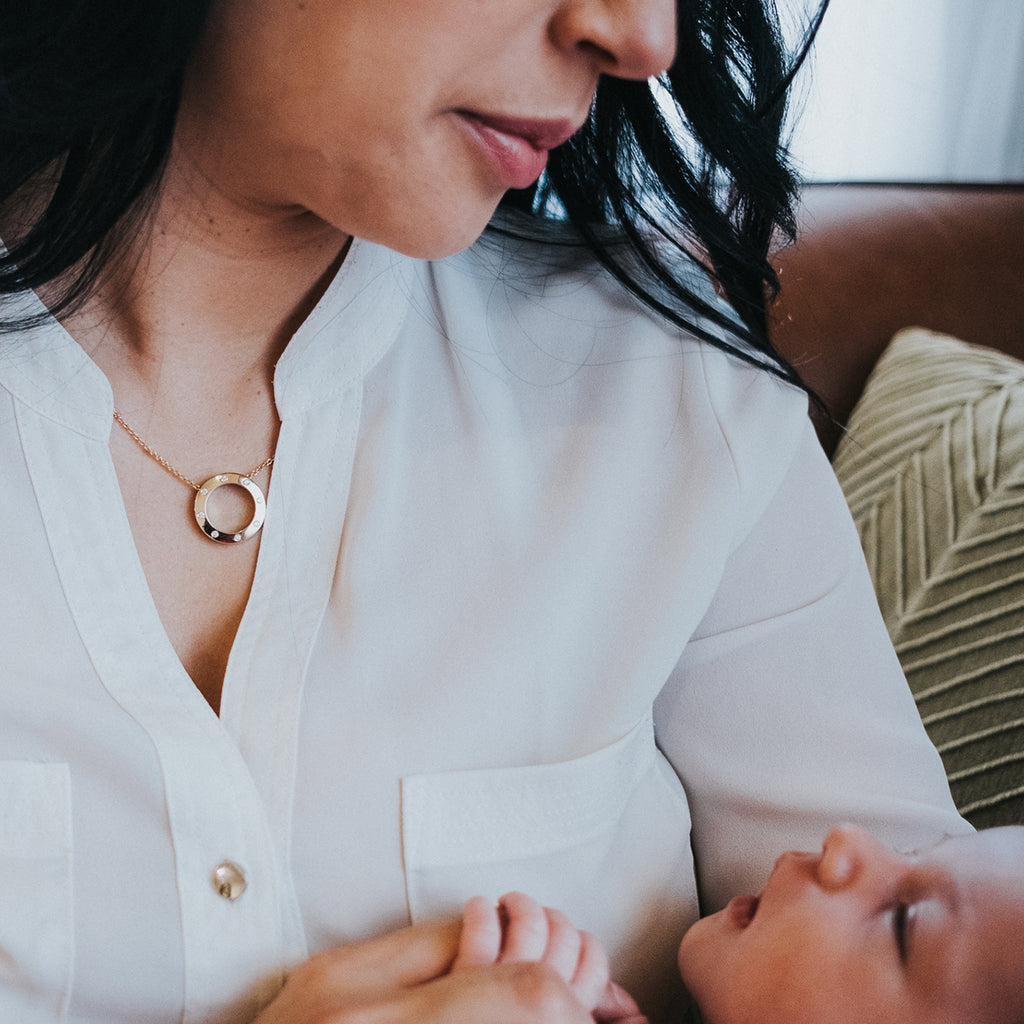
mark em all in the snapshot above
pixel 529 544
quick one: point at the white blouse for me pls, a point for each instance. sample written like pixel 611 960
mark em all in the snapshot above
pixel 541 582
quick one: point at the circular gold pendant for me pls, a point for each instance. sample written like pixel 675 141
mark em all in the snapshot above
pixel 259 509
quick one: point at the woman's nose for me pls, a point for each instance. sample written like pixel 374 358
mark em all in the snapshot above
pixel 848 854
pixel 625 38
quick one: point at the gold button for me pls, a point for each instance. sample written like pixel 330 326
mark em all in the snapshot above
pixel 228 880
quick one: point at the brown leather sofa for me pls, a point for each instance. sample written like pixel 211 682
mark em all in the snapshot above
pixel 933 462
pixel 872 259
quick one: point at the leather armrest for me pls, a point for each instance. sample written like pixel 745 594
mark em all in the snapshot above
pixel 872 259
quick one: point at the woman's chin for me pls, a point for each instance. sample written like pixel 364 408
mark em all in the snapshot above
pixel 432 236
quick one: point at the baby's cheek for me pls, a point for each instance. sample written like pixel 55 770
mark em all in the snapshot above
pixel 700 958
pixel 730 978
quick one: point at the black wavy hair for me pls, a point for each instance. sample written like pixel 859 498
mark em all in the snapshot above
pixel 693 166
pixel 89 93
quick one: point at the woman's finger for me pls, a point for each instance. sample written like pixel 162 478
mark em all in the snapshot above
pixel 480 940
pixel 512 993
pixel 407 957
pixel 526 928
pixel 522 992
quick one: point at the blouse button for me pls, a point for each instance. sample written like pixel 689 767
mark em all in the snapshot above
pixel 228 880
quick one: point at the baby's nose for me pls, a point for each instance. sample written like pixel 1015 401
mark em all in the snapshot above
pixel 844 854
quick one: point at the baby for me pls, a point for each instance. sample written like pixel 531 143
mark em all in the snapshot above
pixel 854 934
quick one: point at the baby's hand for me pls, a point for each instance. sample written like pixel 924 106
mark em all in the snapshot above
pixel 519 929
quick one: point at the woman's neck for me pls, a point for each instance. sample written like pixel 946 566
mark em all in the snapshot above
pixel 210 292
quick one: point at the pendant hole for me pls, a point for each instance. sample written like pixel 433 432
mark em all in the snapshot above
pixel 231 507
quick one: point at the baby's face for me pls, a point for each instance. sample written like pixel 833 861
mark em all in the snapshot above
pixel 861 935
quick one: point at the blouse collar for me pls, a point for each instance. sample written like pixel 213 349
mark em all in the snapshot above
pixel 351 327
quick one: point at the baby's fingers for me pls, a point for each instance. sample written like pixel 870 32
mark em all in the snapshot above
pixel 480 938
pixel 536 933
pixel 526 928
pixel 590 981
pixel 564 945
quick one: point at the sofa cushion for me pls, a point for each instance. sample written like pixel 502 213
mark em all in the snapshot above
pixel 932 465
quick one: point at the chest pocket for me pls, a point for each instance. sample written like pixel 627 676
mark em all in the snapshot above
pixel 35 891
pixel 604 837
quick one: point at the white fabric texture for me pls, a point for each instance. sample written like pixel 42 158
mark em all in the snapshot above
pixel 540 580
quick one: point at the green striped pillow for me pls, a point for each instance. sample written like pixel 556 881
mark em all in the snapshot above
pixel 933 469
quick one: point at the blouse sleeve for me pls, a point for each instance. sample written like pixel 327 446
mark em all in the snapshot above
pixel 788 712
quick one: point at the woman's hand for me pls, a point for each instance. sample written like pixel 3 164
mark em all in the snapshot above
pixel 404 978
pixel 520 930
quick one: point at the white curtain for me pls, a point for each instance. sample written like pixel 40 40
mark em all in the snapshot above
pixel 913 90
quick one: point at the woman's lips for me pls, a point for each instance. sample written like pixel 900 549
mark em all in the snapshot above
pixel 516 147
pixel 741 910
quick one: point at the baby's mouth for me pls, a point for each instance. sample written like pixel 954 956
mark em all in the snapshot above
pixel 742 910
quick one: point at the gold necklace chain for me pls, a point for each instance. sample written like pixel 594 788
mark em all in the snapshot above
pixel 160 460
pixel 207 487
